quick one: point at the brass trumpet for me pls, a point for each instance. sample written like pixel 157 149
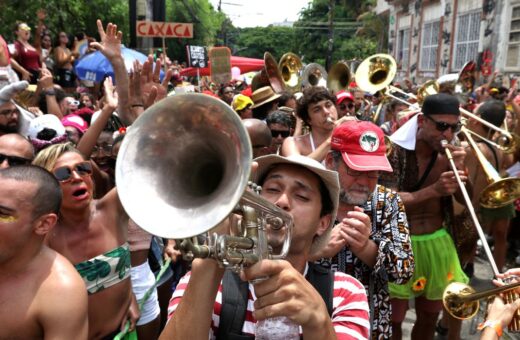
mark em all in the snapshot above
pixel 462 301
pixel 183 168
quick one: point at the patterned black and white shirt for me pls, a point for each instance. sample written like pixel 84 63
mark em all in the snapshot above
pixel 394 262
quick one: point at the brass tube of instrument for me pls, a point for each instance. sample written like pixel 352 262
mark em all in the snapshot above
pixel 471 210
pixel 239 242
pixel 239 258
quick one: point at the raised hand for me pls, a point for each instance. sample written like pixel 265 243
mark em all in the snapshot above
pixel 110 93
pixel 152 89
pixel 110 45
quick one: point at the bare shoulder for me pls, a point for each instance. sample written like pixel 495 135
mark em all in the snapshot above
pixel 298 145
pixel 62 302
pixel 62 278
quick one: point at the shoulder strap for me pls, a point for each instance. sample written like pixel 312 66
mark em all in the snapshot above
pixel 429 168
pixel 322 279
pixel 234 306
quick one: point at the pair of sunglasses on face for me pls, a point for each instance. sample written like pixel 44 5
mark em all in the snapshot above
pixel 14 160
pixel 443 126
pixel 64 173
pixel 283 133
pixel 345 106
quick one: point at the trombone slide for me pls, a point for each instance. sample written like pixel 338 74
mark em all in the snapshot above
pixel 471 210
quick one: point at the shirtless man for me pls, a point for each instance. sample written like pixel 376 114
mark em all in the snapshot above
pixel 492 111
pixel 92 234
pixel 15 149
pixel 317 109
pixel 41 294
pixel 425 182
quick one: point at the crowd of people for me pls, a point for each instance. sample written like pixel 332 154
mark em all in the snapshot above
pixel 378 214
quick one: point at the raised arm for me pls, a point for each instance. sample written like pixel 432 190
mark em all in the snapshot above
pixel 110 47
pixel 193 301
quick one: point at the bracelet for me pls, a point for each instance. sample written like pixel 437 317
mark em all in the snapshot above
pixel 49 92
pixel 495 324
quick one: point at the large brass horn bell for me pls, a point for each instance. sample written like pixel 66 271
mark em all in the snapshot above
pixel 339 77
pixel 376 72
pixel 291 66
pixel 270 75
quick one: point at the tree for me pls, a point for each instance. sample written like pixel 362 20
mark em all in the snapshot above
pixel 71 16
pixel 254 41
pixel 206 21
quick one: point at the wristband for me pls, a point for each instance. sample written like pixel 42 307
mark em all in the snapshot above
pixel 495 324
pixel 49 92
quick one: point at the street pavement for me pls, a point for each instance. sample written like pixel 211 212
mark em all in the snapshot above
pixel 481 281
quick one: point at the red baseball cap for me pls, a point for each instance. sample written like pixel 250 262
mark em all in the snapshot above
pixel 362 146
pixel 342 95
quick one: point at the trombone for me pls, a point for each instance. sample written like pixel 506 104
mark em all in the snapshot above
pixel 462 301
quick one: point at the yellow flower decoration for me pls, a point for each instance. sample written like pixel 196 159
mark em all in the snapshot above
pixel 419 284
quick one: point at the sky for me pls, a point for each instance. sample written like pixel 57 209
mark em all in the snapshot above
pixel 251 13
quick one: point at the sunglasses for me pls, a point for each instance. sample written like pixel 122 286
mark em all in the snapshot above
pixel 14 160
pixel 369 174
pixel 345 106
pixel 64 173
pixel 443 126
pixel 283 133
pixel 104 148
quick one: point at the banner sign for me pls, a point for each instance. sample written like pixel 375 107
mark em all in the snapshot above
pixel 164 29
pixel 197 56
pixel 220 64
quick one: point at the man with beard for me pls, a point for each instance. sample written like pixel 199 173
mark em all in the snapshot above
pixel 9 113
pixel 370 240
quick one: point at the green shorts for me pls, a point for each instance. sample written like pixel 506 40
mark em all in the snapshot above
pixel 436 265
pixel 489 215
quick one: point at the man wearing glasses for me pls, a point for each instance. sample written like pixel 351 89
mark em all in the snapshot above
pixel 345 104
pixel 370 240
pixel 279 122
pixel 15 150
pixel 426 183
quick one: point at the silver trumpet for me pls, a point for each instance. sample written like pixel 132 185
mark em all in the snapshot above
pixel 183 168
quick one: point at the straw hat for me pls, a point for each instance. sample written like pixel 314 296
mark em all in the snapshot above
pixel 263 96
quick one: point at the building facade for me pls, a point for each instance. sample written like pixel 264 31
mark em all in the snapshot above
pixel 430 38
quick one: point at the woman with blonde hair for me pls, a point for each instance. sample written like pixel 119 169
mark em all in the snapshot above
pixel 92 234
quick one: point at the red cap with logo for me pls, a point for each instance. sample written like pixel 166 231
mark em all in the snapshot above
pixel 362 146
pixel 343 95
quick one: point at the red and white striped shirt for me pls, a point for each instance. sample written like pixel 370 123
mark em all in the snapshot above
pixel 350 316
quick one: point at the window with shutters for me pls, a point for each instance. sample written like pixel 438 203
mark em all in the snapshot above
pixel 430 43
pixel 466 39
pixel 403 48
pixel 513 47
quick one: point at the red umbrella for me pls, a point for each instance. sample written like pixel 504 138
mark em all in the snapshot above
pixel 244 64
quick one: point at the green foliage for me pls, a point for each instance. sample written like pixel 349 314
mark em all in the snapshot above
pixel 70 16
pixel 254 41
pixel 206 24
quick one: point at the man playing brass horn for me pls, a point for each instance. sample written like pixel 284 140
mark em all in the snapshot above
pixel 423 178
pixel 309 192
pixel 318 110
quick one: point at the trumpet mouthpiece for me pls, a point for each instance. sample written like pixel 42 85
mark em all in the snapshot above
pixel 444 142
pixel 330 120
